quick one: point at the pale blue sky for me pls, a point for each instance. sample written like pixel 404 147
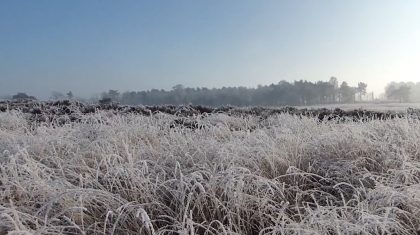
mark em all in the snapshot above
pixel 89 46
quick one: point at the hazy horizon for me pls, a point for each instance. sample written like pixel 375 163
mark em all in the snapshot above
pixel 92 46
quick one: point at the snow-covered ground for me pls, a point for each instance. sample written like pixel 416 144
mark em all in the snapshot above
pixel 133 174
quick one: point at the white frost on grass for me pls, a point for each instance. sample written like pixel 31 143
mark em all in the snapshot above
pixel 131 174
pixel 374 106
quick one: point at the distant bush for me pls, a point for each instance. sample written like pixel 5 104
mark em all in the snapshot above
pixel 23 96
pixel 105 101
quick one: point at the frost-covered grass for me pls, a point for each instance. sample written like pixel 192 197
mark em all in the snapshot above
pixel 374 106
pixel 132 174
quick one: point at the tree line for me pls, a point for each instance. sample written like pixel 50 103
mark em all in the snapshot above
pixel 283 93
pixel 403 92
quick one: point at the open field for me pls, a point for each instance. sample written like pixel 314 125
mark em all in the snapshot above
pixel 399 107
pixel 70 169
pixel 71 111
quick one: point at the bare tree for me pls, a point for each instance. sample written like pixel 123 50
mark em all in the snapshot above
pixel 361 89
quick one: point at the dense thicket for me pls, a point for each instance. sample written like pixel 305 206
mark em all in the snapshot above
pixel 68 111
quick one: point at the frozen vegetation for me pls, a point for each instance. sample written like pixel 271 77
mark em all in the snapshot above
pixel 126 173
pixel 377 106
